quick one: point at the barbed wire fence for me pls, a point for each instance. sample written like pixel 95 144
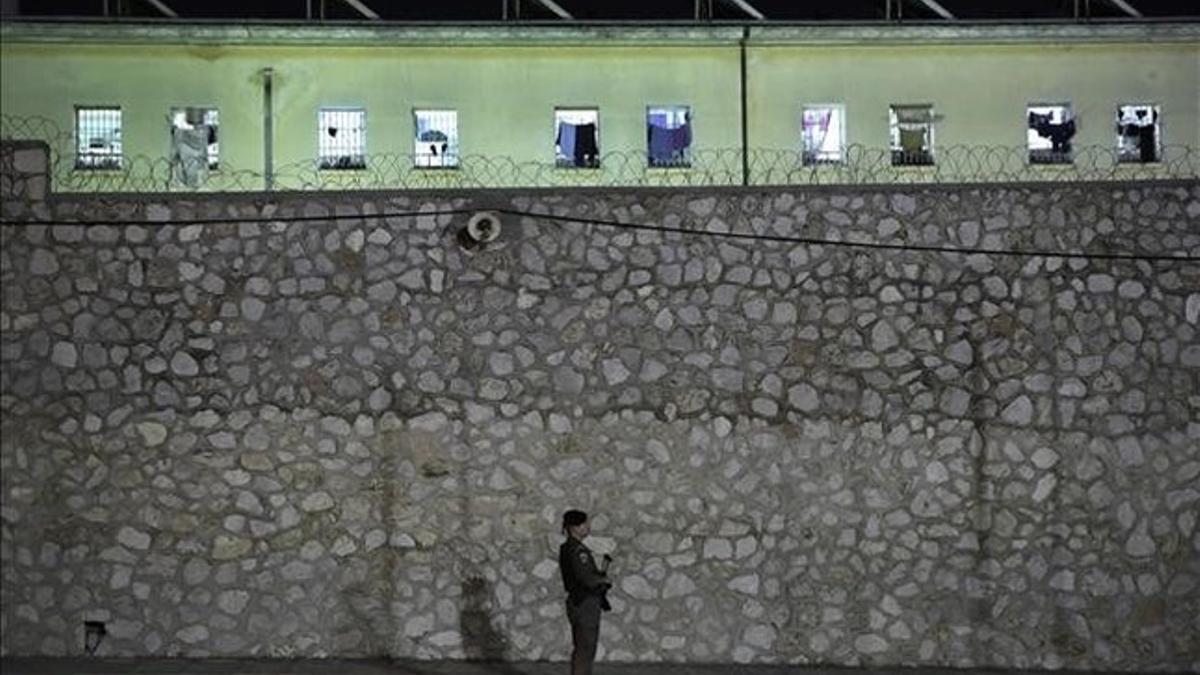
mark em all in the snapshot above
pixel 860 165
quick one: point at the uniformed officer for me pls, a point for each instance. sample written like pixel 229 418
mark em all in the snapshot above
pixel 587 585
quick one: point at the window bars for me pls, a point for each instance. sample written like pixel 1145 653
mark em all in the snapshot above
pixel 98 137
pixel 1139 136
pixel 342 138
pixel 823 134
pixel 196 128
pixel 911 134
pixel 1051 126
pixel 435 141
pixel 669 136
pixel 577 137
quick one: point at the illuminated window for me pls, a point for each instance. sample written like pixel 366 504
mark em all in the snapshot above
pixel 669 135
pixel 435 144
pixel 577 137
pixel 194 135
pixel 342 138
pixel 98 137
pixel 911 134
pixel 822 133
pixel 1050 130
pixel 1139 137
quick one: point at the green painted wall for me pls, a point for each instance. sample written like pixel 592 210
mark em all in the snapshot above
pixel 505 95
pixel 979 90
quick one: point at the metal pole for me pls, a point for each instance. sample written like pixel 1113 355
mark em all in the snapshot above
pixel 888 10
pixel 745 138
pixel 268 132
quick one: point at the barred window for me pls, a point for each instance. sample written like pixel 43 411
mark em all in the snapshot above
pixel 1050 128
pixel 911 134
pixel 577 137
pixel 342 138
pixel 98 137
pixel 822 133
pixel 669 136
pixel 194 128
pixel 435 144
pixel 1139 136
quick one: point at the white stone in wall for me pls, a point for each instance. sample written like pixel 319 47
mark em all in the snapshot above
pixel 1044 458
pixel 1019 412
pixel 187 233
pixel 747 584
pixel 936 472
pixel 903 204
pixel 883 337
pixel 1063 580
pixel 43 262
pixel 1045 486
pixel 761 636
pixel 615 371
pixel 1139 544
pixel 803 397
pixel 193 634
pixel 870 644
pixel 1100 283
pixel 678 585
pixel 184 365
pixel 717 548
pixel 64 355
pixel 233 601
pixel 317 501
pixel 637 587
pixel 133 538
pixel 153 433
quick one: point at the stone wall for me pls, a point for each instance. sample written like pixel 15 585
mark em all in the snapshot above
pixel 349 436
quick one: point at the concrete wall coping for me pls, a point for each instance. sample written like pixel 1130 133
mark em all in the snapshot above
pixel 379 34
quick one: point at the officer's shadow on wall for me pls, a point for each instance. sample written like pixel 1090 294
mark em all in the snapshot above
pixel 481 640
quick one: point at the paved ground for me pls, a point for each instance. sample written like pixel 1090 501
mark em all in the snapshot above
pixel 14 666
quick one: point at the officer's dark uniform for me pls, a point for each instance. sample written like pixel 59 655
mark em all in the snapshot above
pixel 585 585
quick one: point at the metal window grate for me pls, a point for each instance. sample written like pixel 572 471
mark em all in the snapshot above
pixel 1050 128
pixel 669 136
pixel 435 141
pixel 577 137
pixel 342 138
pixel 822 134
pixel 98 138
pixel 911 135
pixel 198 119
pixel 1139 134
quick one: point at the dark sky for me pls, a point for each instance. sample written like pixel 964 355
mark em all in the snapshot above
pixel 643 10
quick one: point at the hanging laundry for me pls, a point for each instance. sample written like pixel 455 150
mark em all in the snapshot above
pixel 1059 134
pixel 189 154
pixel 586 149
pixel 669 146
pixel 566 140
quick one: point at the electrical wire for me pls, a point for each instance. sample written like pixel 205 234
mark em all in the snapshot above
pixel 851 244
pixel 644 227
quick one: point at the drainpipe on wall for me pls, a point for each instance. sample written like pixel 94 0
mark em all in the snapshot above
pixel 745 141
pixel 268 132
